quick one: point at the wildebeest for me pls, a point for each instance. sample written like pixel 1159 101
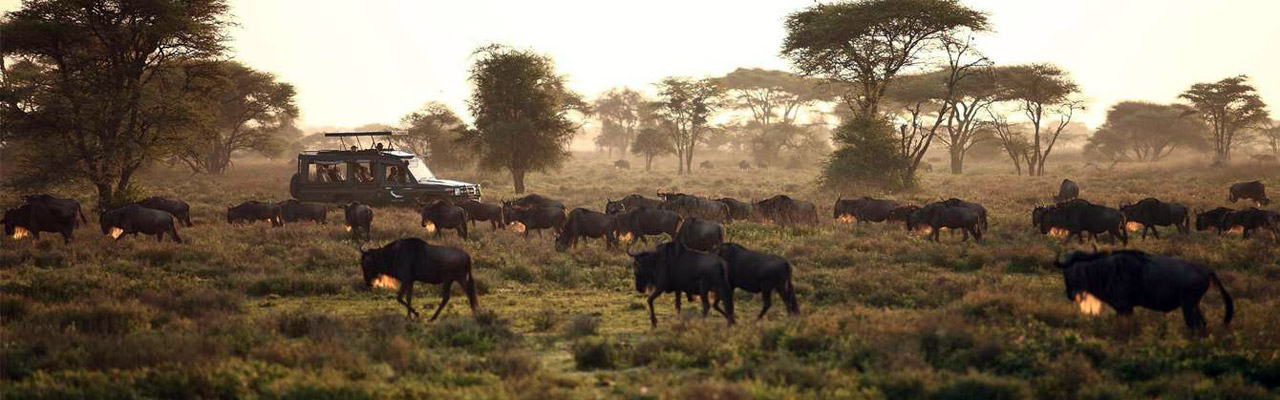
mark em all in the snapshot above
pixel 178 208
pixel 688 206
pixel 785 211
pixel 133 219
pixel 293 211
pixel 630 202
pixel 535 218
pixel 1067 190
pixel 700 234
pixel 902 213
pixel 359 217
pixel 253 211
pixel 977 208
pixel 43 213
pixel 1079 216
pixel 443 214
pixel 762 165
pixel 646 221
pixel 477 211
pixel 673 268
pixel 1128 279
pixel 946 215
pixel 534 201
pixel 1216 218
pixel 1255 191
pixel 706 165
pixel 1151 212
pixel 1251 219
pixel 744 164
pixel 622 164
pixel 414 260
pixel 587 223
pixel 757 272
pixel 738 210
pixel 865 209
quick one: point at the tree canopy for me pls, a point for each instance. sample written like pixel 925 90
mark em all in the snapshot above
pixel 433 132
pixel 1142 131
pixel 243 109
pixel 686 104
pixel 1231 106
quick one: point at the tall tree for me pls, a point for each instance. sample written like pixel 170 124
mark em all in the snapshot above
pixel 433 132
pixel 1013 139
pixel 686 104
pixel 1043 93
pixel 964 123
pixel 1231 105
pixel 246 110
pixel 619 113
pixel 1141 131
pixel 774 100
pixel 96 99
pixel 650 143
pixel 521 109
pixel 1271 136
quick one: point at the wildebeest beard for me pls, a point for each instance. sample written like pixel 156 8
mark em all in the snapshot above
pixel 1108 281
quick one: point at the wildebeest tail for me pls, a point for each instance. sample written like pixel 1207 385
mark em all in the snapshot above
pixel 173 229
pixel 470 287
pixel 725 291
pixel 789 294
pixel 80 210
pixel 1229 304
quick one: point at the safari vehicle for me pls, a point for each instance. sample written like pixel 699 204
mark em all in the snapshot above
pixel 377 174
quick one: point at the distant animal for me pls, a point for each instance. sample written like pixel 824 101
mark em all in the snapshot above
pixel 1079 216
pixel 1255 191
pixel 178 208
pixel 133 219
pixel 253 211
pixel 926 167
pixel 535 219
pixel 786 211
pixel 587 223
pixel 413 260
pixel 706 165
pixel 946 215
pixel 1216 218
pixel 44 213
pixel 622 164
pixel 673 268
pixel 294 211
pixel 534 201
pixel 902 213
pixel 359 217
pixel 1128 279
pixel 689 206
pixel 630 202
pixel 445 215
pixel 700 234
pixel 1067 190
pixel 744 164
pixel 738 210
pixel 644 221
pixel 1151 212
pixel 1251 219
pixel 761 165
pixel 477 211
pixel 757 272
pixel 1263 158
pixel 865 209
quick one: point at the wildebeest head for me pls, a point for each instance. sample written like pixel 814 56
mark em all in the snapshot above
pixel 108 220
pixel 372 264
pixel 614 207
pixel 10 221
pixel 1037 218
pixel 643 265
pixel 1075 279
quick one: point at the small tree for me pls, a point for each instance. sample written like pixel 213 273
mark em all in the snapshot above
pixel 619 113
pixel 1141 131
pixel 1230 106
pixel 650 143
pixel 1042 92
pixel 246 110
pixel 869 151
pixel 774 99
pixel 686 104
pixel 433 132
pixel 521 111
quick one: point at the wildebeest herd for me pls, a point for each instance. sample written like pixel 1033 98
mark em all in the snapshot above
pixel 696 259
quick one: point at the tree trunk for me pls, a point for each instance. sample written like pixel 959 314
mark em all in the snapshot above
pixel 648 162
pixel 517 178
pixel 105 194
pixel 957 161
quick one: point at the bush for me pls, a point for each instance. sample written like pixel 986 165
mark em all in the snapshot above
pixel 980 387
pixel 515 364
pixel 594 353
pixel 479 334
pixel 100 318
pixel 583 325
pixel 713 391
pixel 545 319
pixel 867 157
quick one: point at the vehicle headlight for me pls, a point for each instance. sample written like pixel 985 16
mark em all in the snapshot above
pixel 457 191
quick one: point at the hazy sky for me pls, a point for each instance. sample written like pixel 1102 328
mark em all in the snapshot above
pixel 357 62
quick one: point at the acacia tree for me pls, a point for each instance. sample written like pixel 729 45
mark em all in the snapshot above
pixel 1041 92
pixel 619 113
pixel 1141 131
pixel 927 100
pixel 964 126
pixel 686 104
pixel 95 100
pixel 521 109
pixel 650 143
pixel 246 110
pixel 1231 105
pixel 433 132
pixel 1013 140
pixel 774 99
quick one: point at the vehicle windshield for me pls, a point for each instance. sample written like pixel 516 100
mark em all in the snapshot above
pixel 420 170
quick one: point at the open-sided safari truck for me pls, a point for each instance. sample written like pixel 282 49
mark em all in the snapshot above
pixel 377 174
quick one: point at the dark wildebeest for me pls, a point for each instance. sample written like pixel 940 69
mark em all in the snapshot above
pixel 706 165
pixel 700 234
pixel 902 213
pixel 294 211
pixel 1216 218
pixel 1255 191
pixel 133 219
pixel 534 201
pixel 1130 278
pixel 622 164
pixel 178 208
pixel 738 210
pixel 535 218
pixel 645 221
pixel 631 202
pixel 1151 212
pixel 865 209
pixel 944 215
pixel 587 223
pixel 414 260
pixel 253 211
pixel 443 214
pixel 359 217
pixel 689 206
pixel 673 268
pixel 757 272
pixel 761 165
pixel 43 213
pixel 744 164
pixel 1066 191
pixel 477 211
pixel 977 208
pixel 785 211
pixel 1079 216
pixel 1251 219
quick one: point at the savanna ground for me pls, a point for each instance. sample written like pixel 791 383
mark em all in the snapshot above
pixel 256 312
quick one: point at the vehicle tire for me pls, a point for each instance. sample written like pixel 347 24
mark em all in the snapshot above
pixel 294 182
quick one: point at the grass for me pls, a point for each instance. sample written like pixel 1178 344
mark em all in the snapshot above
pixel 251 311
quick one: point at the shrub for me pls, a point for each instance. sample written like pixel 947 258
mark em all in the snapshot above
pixel 583 325
pixel 867 156
pixel 713 391
pixel 594 353
pixel 478 334
pixel 545 319
pixel 100 318
pixel 515 364
pixel 980 387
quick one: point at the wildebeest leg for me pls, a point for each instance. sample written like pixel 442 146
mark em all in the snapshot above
pixel 705 292
pixel 678 302
pixel 160 237
pixel 447 289
pixel 405 297
pixel 653 318
pixel 966 235
pixel 463 231
pixel 767 297
pixel 173 233
pixel 1155 232
pixel 1194 319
